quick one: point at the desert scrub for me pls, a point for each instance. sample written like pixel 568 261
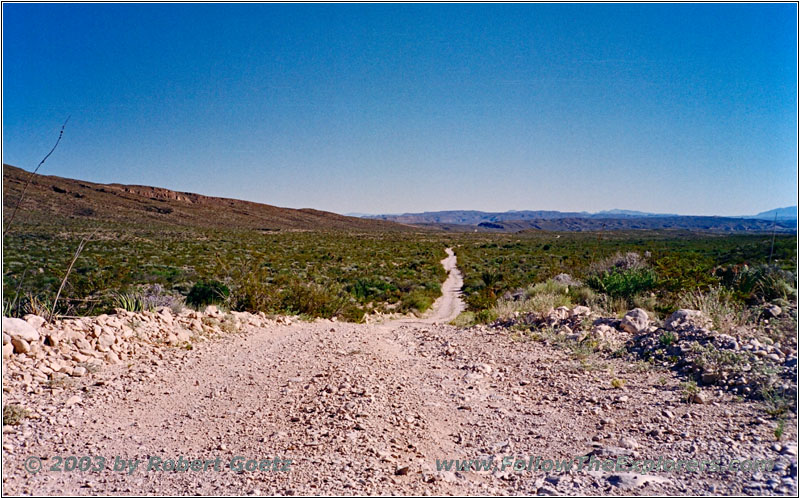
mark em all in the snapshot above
pixel 207 292
pixel 689 390
pixel 130 302
pixel 623 283
pixel 369 272
pixel 539 299
pixel 14 414
pixel 719 305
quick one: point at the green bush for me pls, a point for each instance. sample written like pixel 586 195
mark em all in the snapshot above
pixel 623 283
pixel 417 300
pixel 759 283
pixel 131 302
pixel 207 293
pixel 311 299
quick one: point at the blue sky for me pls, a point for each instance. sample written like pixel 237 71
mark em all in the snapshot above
pixel 683 108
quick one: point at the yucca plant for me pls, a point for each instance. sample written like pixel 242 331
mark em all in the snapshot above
pixel 131 302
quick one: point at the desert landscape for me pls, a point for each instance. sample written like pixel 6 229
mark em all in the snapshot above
pixel 399 249
pixel 677 344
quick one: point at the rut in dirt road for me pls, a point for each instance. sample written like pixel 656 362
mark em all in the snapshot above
pixel 449 305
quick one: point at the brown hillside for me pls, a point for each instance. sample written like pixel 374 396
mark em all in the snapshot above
pixel 51 198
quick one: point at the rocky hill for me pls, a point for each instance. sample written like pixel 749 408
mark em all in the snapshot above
pixel 51 198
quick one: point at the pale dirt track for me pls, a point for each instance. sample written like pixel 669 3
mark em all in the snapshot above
pixel 353 405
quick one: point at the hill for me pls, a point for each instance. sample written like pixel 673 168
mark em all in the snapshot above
pixel 51 199
pixel 788 213
pixel 513 221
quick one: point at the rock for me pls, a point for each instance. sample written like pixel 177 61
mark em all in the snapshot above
pixel 106 340
pixel 628 443
pixel 635 480
pixel 20 345
pixel 79 371
pixel 183 336
pixel 402 470
pixel 699 398
pixel 8 350
pixel 72 400
pixel 560 314
pixel 687 318
pixel 546 490
pixel 19 329
pixel 581 311
pixel 709 378
pixel 635 320
pixel 6 339
pixel 35 320
pixel 603 331
pixel 772 311
pixel 726 341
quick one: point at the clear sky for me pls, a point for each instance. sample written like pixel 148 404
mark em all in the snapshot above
pixel 683 108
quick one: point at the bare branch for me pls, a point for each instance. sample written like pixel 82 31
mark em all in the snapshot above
pixel 30 177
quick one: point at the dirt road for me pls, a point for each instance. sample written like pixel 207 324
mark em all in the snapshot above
pixel 369 409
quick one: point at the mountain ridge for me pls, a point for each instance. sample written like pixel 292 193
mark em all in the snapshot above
pixel 50 199
pixel 512 221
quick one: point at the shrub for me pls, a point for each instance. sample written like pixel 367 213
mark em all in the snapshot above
pixel 311 299
pixel 417 300
pixel 14 414
pixel 623 283
pixel 207 293
pixel 759 283
pixel 719 305
pixel 540 299
pixel 130 302
pixel 667 338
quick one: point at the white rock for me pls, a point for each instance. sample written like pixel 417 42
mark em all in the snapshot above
pixel 34 320
pixel 603 331
pixel 635 320
pixel 18 328
pixel 581 311
pixel 634 480
pixel 687 317
pixel 560 313
pixel 106 340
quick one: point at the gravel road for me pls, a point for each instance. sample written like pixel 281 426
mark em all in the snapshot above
pixel 368 409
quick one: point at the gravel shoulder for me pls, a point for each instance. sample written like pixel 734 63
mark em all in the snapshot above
pixel 368 409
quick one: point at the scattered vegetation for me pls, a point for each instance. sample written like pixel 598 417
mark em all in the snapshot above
pixel 612 272
pixel 316 274
pixel 14 414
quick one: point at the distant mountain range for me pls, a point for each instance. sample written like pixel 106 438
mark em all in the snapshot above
pixel 512 221
pixel 788 213
pixel 57 200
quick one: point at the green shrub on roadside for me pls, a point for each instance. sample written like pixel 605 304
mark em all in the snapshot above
pixel 623 283
pixel 207 292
